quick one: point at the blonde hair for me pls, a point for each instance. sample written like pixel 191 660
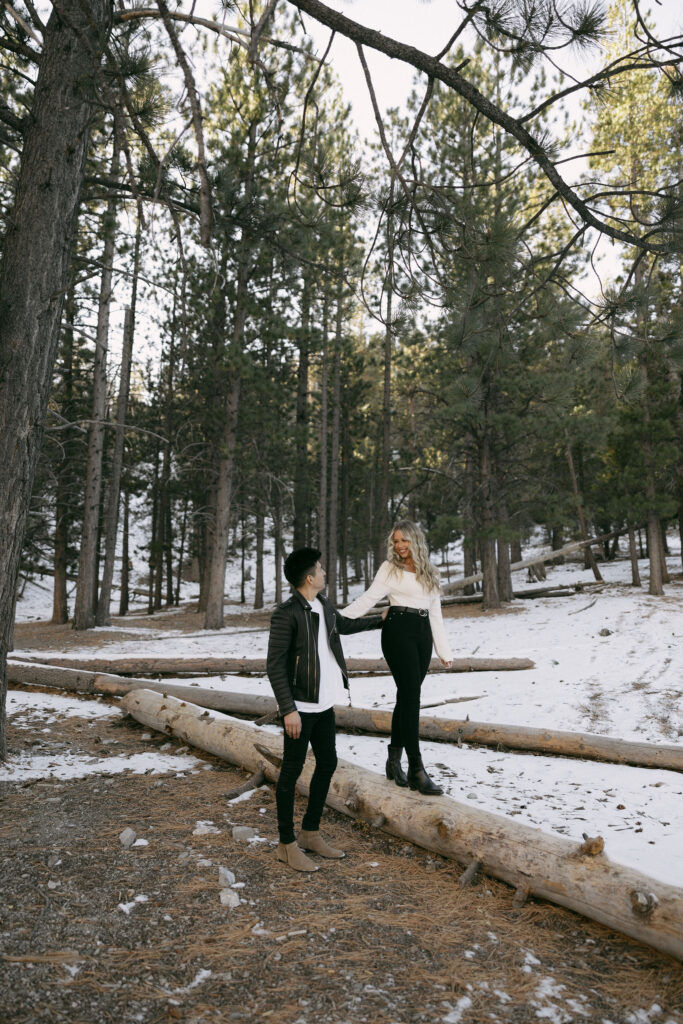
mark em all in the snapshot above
pixel 427 574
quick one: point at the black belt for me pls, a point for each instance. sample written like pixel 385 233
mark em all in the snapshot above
pixel 423 612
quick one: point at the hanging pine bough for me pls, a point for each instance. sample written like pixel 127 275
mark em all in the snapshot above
pixel 575 875
pixel 514 737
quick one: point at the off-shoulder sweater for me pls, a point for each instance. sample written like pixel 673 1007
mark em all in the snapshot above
pixel 404 590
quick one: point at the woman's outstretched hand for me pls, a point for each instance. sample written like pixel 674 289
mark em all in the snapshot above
pixel 446 664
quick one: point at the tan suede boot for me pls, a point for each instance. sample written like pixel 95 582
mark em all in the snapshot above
pixel 293 855
pixel 314 842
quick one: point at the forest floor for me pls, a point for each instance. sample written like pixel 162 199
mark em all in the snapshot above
pixel 93 932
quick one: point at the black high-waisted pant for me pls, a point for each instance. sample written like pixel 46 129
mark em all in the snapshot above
pixel 407 648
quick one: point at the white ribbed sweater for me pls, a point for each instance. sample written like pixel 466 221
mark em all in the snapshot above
pixel 403 589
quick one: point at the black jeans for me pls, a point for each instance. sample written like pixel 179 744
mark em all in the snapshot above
pixel 318 729
pixel 407 648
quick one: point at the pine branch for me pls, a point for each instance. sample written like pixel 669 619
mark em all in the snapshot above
pixel 423 62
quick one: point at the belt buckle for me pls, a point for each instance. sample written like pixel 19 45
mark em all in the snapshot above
pixel 423 612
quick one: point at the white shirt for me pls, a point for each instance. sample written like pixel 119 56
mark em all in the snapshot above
pixel 331 682
pixel 404 590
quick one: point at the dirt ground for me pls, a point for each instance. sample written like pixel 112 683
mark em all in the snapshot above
pixel 386 935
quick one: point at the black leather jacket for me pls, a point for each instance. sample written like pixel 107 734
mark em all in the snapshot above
pixel 293 664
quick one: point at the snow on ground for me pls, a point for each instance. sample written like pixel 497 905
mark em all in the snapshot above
pixel 627 683
pixel 38 712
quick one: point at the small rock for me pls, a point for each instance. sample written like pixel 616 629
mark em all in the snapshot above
pixel 52 885
pixel 243 832
pixel 229 898
pixel 225 877
pixel 182 750
pixel 127 838
pixel 146 736
pixel 141 842
pixel 605 632
pixel 54 860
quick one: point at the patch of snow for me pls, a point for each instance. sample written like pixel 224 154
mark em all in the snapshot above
pixel 77 766
pixel 455 1015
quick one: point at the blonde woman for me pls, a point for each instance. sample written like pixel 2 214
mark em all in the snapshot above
pixel 412 624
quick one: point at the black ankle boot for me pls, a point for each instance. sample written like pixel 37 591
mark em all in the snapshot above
pixel 394 770
pixel 418 778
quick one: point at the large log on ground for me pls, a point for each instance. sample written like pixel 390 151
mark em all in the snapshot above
pixel 514 737
pixel 257 666
pixel 546 866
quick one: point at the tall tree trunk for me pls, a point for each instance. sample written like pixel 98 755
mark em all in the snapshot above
pixel 258 580
pixel 112 513
pixel 33 274
pixel 63 496
pixel 489 568
pixel 301 481
pixel 86 588
pixel 181 553
pixel 635 573
pixel 590 557
pixel 243 559
pixel 469 542
pixel 343 525
pixel 218 552
pixel 125 555
pixel 324 433
pixel 154 539
pixel 332 575
pixel 278 544
pixel 382 524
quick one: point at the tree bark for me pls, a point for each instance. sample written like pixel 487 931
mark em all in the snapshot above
pixel 112 513
pixel 257 666
pixel 301 481
pixel 382 524
pixel 547 866
pixel 217 555
pixel 125 556
pixel 489 566
pixel 590 557
pixel 63 494
pixel 258 582
pixel 86 589
pixel 35 262
pixel 633 554
pixel 324 431
pixel 332 567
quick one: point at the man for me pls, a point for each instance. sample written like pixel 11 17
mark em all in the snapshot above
pixel 306 669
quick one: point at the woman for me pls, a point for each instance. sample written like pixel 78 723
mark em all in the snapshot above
pixel 412 624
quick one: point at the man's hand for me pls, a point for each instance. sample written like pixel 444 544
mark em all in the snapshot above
pixel 292 723
pixel 446 664
pixel 385 613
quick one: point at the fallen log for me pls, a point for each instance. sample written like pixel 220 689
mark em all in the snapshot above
pixel 514 737
pixel 257 666
pixel 526 563
pixel 546 866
